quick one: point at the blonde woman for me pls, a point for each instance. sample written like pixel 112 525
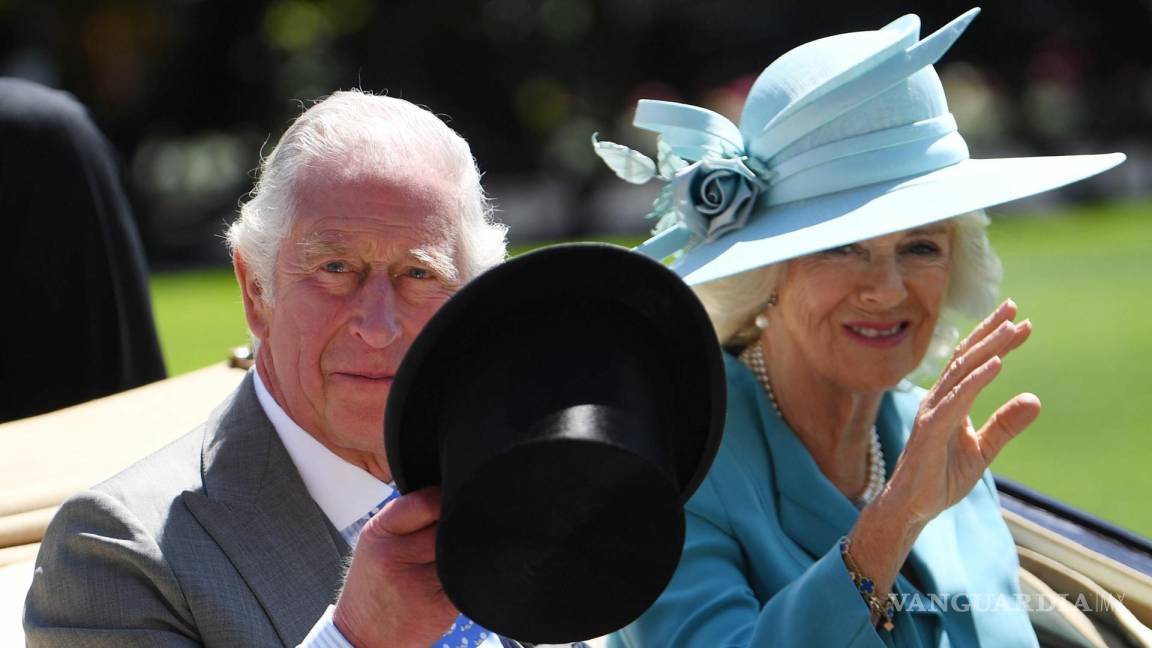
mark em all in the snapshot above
pixel 827 235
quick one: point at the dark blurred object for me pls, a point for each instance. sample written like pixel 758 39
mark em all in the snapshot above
pixel 571 400
pixel 78 317
pixel 187 90
pixel 241 357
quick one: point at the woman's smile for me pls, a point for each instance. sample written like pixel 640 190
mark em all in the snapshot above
pixel 877 334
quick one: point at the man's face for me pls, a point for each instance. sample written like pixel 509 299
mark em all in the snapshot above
pixel 366 263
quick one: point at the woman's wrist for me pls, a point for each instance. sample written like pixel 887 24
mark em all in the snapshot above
pixel 904 499
pixel 896 512
pixel 883 537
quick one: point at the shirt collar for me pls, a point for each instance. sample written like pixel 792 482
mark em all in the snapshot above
pixel 344 492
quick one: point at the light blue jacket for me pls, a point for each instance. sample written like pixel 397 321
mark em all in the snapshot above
pixel 762 566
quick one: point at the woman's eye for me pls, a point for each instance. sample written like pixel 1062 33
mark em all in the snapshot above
pixel 336 267
pixel 839 251
pixel 924 248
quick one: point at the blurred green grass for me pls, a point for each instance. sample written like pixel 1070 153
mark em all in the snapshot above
pixel 1083 275
pixel 199 317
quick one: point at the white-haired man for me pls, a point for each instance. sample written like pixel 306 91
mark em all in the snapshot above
pixel 367 216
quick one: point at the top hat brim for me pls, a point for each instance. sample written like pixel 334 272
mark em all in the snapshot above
pixel 802 227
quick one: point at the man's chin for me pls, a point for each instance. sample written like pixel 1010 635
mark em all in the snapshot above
pixel 358 410
pixel 357 429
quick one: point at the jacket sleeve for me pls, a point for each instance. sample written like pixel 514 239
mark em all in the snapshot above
pixel 101 579
pixel 710 601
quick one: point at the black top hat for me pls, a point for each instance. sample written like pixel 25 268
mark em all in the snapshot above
pixel 568 401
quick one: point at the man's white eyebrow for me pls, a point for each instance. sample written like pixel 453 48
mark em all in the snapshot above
pixel 441 265
pixel 322 246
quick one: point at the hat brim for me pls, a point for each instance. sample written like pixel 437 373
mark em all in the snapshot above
pixel 806 226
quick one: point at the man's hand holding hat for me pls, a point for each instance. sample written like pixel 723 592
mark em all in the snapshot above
pixel 392 594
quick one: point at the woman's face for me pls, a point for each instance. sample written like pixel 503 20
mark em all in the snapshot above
pixel 861 316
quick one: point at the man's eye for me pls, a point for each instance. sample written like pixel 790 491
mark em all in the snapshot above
pixel 336 267
pixel 417 273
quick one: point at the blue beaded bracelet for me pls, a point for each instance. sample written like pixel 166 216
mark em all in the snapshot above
pixel 881 608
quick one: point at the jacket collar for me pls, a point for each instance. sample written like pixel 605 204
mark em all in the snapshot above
pixel 256 507
pixel 816 515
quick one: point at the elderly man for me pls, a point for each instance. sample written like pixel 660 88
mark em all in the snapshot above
pixel 367 216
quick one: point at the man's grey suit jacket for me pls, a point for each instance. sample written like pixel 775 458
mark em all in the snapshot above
pixel 213 540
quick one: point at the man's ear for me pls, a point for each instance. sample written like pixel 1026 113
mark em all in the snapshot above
pixel 255 309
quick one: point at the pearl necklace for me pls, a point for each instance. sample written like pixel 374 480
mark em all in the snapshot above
pixel 753 358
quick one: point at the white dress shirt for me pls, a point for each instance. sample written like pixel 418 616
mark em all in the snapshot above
pixel 344 492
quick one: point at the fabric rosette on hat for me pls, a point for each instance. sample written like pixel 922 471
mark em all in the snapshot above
pixel 714 197
pixel 840 140
pixel 701 200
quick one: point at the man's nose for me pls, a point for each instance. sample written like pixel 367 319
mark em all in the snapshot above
pixel 882 283
pixel 377 321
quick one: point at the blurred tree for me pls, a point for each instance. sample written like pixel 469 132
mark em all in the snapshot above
pixel 191 87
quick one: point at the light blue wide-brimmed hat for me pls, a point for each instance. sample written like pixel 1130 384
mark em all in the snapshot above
pixel 841 139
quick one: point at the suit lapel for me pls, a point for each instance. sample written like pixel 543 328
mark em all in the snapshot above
pixel 256 507
pixel 816 515
pixel 812 511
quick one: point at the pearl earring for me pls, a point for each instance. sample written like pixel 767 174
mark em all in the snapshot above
pixel 761 319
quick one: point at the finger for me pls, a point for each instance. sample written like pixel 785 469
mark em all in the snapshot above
pixel 416 548
pixel 409 513
pixel 1006 423
pixel 1007 337
pixel 976 356
pixel 953 407
pixel 1004 312
pixel 1004 339
pixel 1023 332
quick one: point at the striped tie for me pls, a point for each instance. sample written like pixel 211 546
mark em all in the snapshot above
pixel 464 633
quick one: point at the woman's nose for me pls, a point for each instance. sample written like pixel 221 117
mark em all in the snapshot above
pixel 882 283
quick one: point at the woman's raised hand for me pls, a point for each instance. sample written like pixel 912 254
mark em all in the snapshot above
pixel 946 455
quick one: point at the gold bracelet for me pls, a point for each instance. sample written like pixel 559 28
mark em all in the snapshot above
pixel 881 607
